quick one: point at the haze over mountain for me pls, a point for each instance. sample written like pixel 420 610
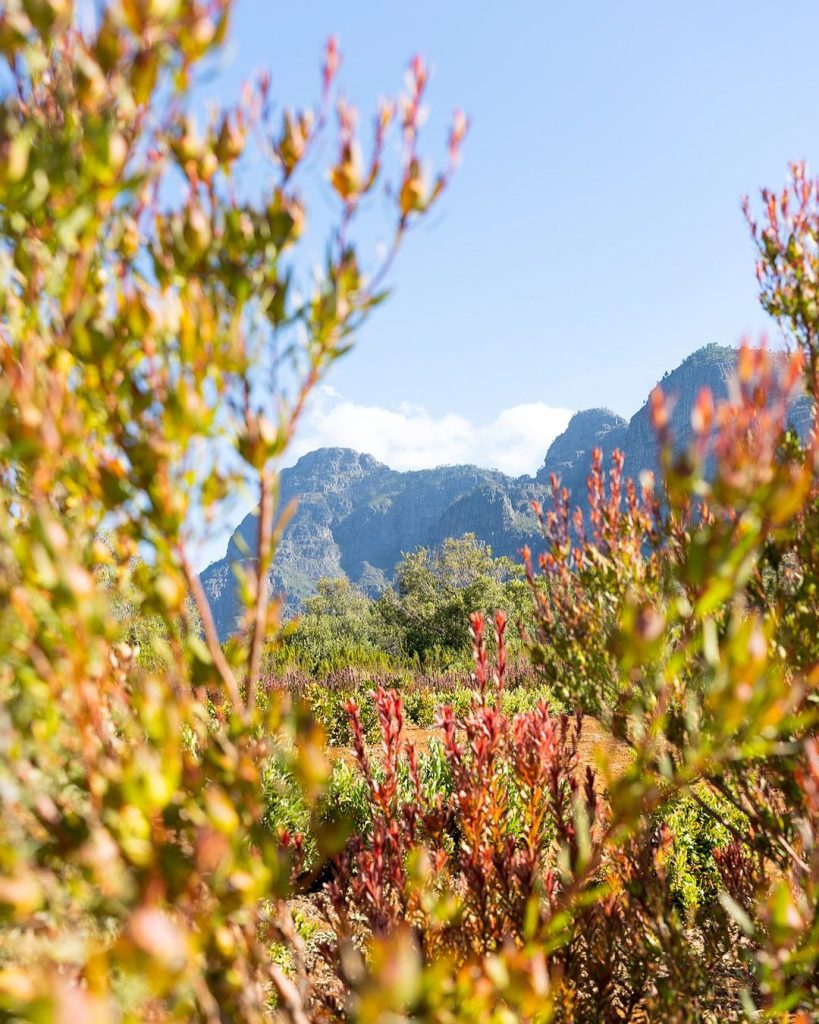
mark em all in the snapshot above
pixel 356 517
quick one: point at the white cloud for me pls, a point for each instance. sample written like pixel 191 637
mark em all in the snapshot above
pixel 410 437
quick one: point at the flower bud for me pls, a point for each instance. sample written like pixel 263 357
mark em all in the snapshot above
pixel 294 138
pixel 347 175
pixel 109 44
pixel 144 74
pixel 230 142
pixel 411 197
pixel 196 231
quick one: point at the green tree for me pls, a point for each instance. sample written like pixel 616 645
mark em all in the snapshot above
pixel 436 589
pixel 338 599
pixel 338 628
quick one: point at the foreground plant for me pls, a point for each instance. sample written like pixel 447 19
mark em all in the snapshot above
pixel 147 304
pixel 516 869
pixel 515 788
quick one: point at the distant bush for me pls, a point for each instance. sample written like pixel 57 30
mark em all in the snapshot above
pixel 423 697
pixel 329 708
pixel 698 826
pixel 425 614
pixel 419 624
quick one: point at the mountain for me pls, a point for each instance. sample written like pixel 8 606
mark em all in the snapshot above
pixel 356 516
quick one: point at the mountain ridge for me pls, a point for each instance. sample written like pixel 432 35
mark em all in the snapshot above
pixel 356 517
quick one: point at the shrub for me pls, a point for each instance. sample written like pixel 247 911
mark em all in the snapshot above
pixel 420 707
pixel 329 708
pixel 508 788
pixel 144 300
pixel 677 888
pixel 698 827
pixel 346 797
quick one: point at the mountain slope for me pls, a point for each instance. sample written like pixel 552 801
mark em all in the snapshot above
pixel 357 517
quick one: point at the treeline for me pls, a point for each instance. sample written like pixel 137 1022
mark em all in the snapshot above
pixel 422 619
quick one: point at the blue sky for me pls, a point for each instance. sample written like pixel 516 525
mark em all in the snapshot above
pixel 593 237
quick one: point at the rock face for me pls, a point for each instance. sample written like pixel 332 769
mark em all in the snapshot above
pixel 710 367
pixel 357 517
pixel 569 454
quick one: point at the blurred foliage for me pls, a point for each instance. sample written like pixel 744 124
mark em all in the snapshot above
pixel 161 329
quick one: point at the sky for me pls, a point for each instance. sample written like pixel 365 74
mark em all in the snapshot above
pixel 593 235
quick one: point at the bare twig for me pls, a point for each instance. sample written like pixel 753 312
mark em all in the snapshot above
pixel 264 556
pixel 288 992
pixel 211 636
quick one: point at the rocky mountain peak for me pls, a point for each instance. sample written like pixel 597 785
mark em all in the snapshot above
pixel 357 517
pixel 587 430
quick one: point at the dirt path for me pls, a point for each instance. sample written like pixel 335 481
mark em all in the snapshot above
pixel 597 748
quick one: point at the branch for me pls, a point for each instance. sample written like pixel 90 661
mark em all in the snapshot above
pixel 264 555
pixel 211 636
pixel 266 542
